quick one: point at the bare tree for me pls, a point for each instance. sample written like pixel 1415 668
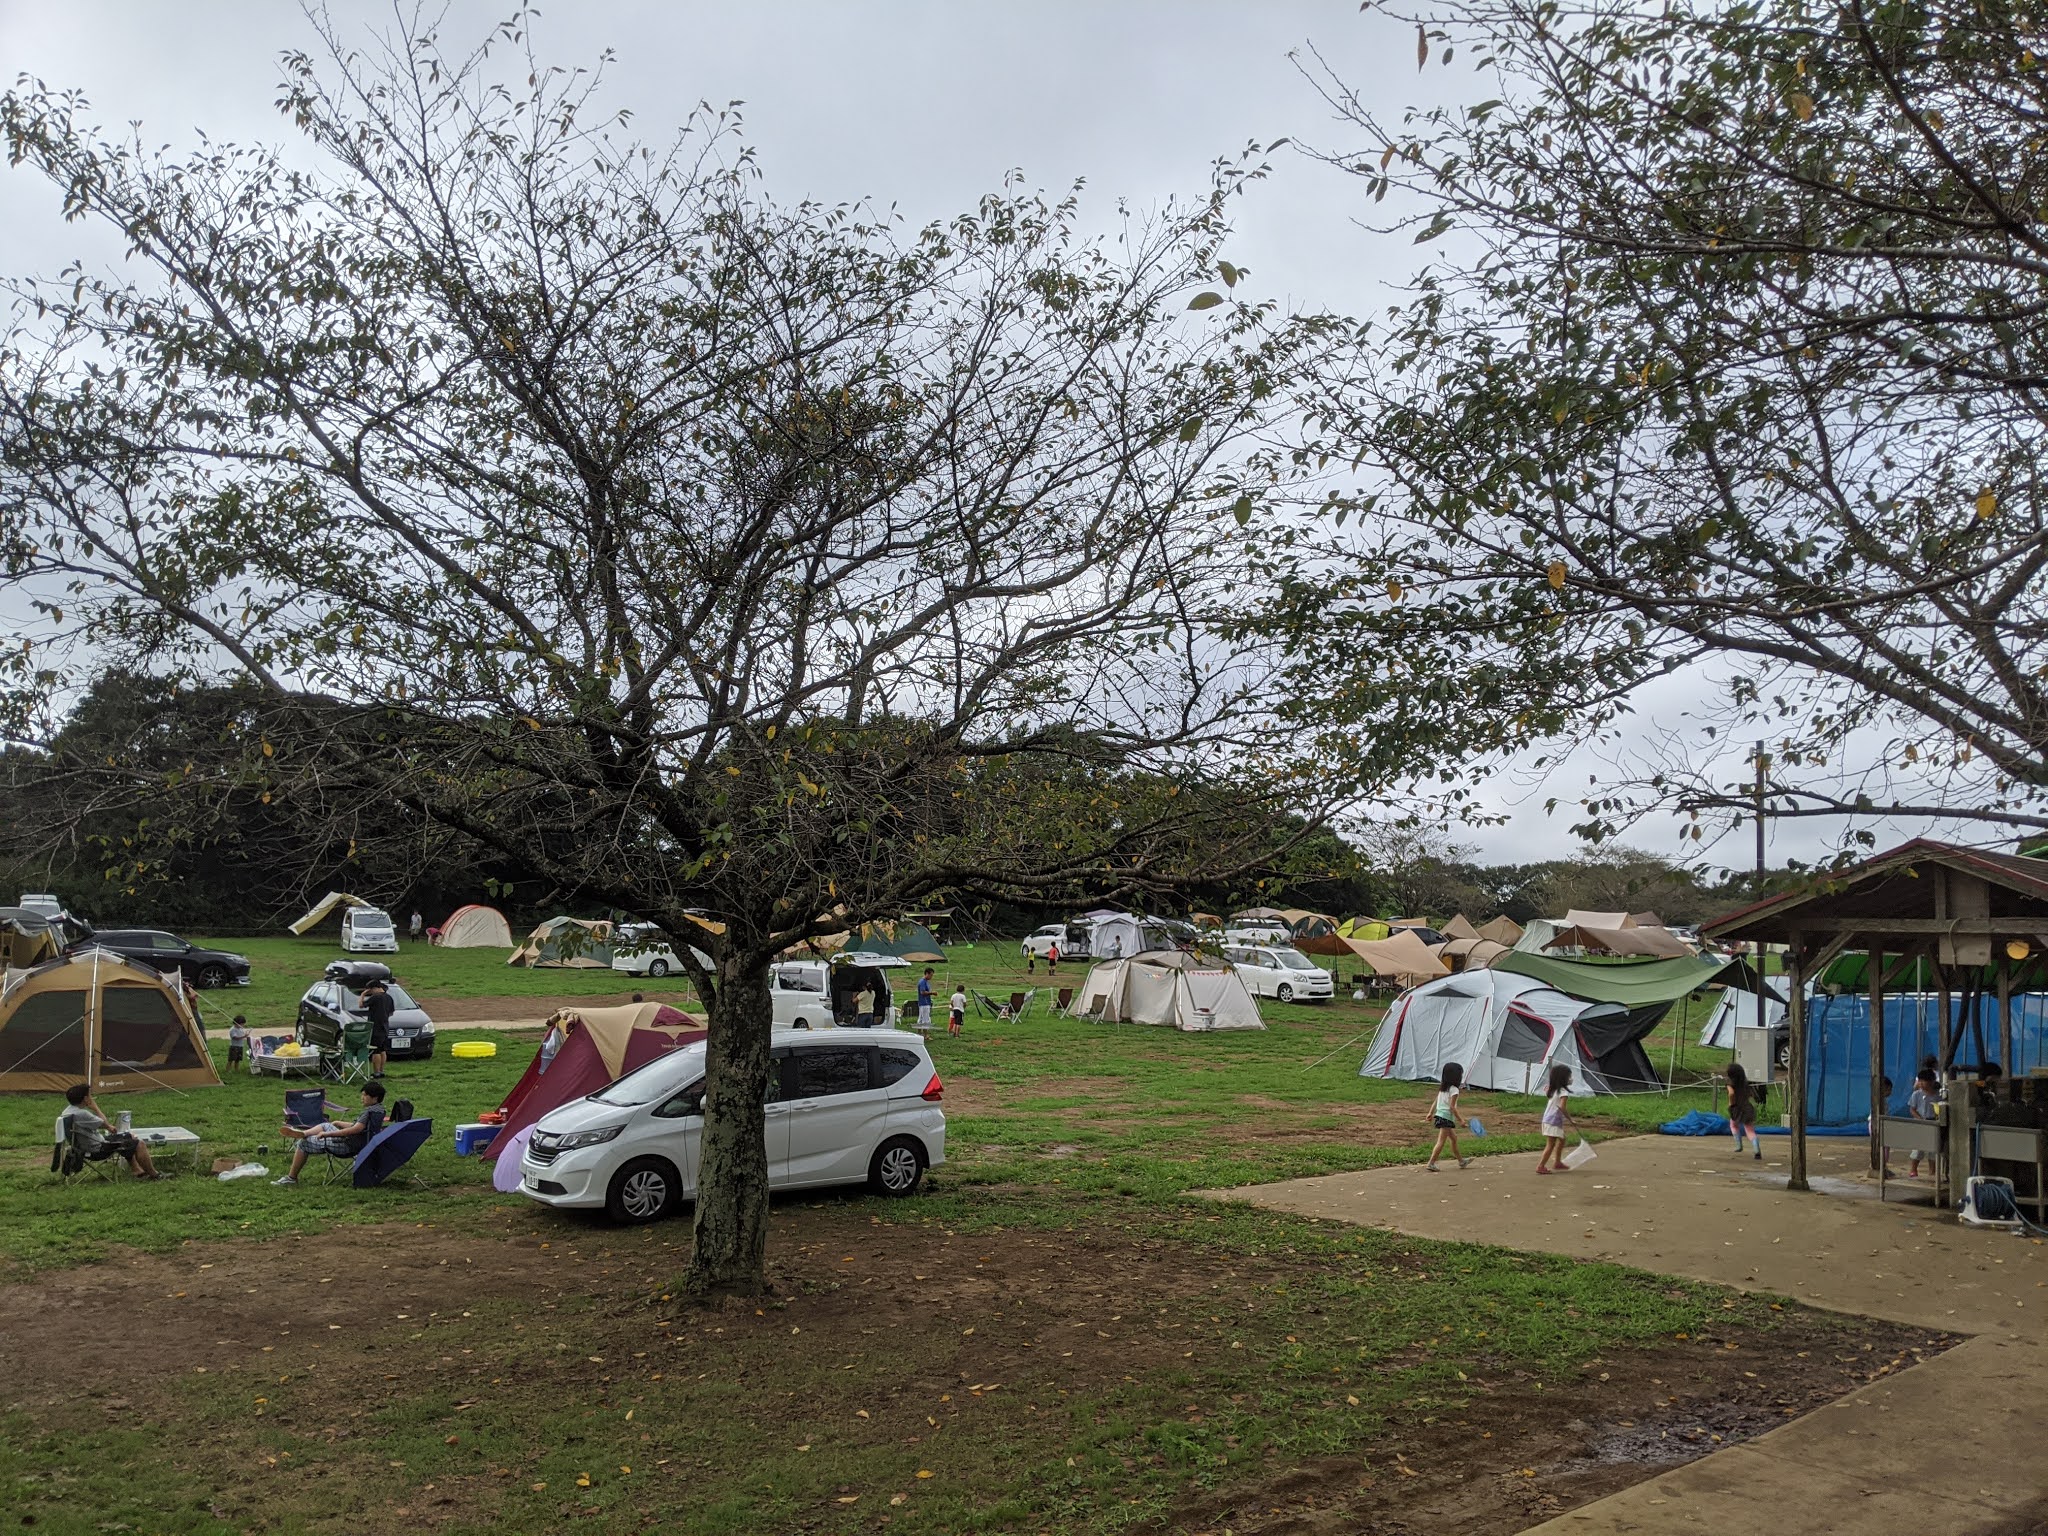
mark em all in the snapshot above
pixel 777 563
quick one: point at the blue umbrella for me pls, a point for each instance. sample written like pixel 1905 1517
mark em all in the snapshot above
pixel 390 1150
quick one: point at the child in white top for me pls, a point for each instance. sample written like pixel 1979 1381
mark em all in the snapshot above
pixel 1443 1114
pixel 958 1011
pixel 1556 1118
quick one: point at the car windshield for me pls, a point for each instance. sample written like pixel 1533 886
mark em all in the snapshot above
pixel 660 1078
pixel 372 920
pixel 1295 960
pixel 353 1000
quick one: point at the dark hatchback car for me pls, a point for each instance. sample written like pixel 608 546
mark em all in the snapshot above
pixel 337 997
pixel 169 954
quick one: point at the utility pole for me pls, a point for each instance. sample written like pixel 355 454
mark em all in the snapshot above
pixel 1762 1013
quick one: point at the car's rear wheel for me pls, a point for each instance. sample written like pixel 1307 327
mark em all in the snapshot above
pixel 646 1189
pixel 897 1169
pixel 211 976
pixel 1284 992
pixel 657 967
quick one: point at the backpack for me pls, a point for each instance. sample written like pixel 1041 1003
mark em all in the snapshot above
pixel 401 1109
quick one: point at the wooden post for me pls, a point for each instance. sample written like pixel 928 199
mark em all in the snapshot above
pixel 1953 1134
pixel 1795 1087
pixel 1875 975
pixel 2005 1010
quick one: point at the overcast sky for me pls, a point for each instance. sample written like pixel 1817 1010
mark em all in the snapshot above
pixel 923 105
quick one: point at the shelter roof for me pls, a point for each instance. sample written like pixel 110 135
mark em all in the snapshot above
pixel 1578 919
pixel 1911 891
pixel 1501 929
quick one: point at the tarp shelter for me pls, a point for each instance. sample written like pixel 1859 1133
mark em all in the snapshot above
pixel 1502 930
pixel 326 907
pixel 95 1018
pixel 30 938
pixel 1737 1010
pixel 1652 943
pixel 581 1050
pixel 1506 1031
pixel 904 939
pixel 475 927
pixel 1401 954
pixel 1576 918
pixel 1174 989
pixel 566 942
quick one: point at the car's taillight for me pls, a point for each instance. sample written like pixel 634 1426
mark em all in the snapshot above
pixel 933 1090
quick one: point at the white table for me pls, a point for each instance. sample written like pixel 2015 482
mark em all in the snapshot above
pixel 306 1064
pixel 168 1138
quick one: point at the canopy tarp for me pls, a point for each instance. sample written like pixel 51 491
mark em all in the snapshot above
pixel 1632 983
pixel 326 907
pixel 1459 927
pixel 1401 953
pixel 1502 930
pixel 1576 918
pixel 1656 943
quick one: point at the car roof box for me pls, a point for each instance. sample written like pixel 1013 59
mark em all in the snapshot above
pixel 357 973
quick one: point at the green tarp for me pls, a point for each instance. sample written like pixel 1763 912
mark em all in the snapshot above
pixel 1631 983
pixel 906 940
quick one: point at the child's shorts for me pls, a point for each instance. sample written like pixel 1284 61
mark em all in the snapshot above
pixel 234 1054
pixel 1443 1122
pixel 1553 1133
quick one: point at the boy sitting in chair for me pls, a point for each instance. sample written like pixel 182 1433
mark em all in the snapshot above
pixel 337 1140
pixel 96 1140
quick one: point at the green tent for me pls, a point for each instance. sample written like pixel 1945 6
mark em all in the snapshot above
pixel 904 939
pixel 1631 983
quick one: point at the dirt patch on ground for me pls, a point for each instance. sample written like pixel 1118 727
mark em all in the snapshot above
pixel 897 1334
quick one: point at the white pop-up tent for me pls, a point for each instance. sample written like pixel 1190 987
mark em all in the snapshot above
pixel 325 908
pixel 475 927
pixel 1505 1030
pixel 1737 1010
pixel 1171 988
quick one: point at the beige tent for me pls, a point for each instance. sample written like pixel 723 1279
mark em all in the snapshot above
pixel 1401 955
pixel 1656 943
pixel 95 1018
pixel 1459 927
pixel 1171 988
pixel 28 938
pixel 1577 919
pixel 326 907
pixel 1470 954
pixel 566 943
pixel 475 927
pixel 1502 930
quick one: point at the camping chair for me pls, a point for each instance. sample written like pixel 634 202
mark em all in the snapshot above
pixel 307 1107
pixel 1020 1002
pixel 69 1155
pixel 350 1064
pixel 985 1006
pixel 1065 1001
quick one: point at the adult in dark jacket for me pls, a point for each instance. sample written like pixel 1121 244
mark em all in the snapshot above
pixel 378 1005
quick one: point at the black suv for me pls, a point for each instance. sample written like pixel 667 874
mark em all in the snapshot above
pixel 337 997
pixel 168 953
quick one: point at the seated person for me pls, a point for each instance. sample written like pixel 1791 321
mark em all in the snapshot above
pixel 87 1129
pixel 345 1139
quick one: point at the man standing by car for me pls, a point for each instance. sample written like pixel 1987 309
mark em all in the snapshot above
pixel 378 1005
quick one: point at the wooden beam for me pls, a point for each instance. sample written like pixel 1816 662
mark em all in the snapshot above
pixel 2029 928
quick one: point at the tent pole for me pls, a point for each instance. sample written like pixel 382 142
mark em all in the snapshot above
pixel 1877 1100
pixel 1795 1089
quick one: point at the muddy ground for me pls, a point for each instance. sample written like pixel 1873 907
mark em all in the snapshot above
pixel 1029 1313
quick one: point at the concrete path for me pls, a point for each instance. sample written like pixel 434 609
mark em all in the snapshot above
pixel 1950 1448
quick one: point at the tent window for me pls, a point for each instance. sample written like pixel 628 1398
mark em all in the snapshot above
pixel 35 1034
pixel 820 1074
pixel 139 1027
pixel 1523 1037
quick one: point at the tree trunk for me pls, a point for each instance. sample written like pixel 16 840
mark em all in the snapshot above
pixel 732 1172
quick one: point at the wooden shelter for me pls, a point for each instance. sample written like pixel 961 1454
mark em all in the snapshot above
pixel 1925 909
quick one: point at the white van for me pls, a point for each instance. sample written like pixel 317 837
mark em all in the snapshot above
pixel 855 1105
pixel 366 931
pixel 1281 973
pixel 819 994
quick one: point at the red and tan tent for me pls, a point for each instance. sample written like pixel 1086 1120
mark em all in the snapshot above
pixel 585 1048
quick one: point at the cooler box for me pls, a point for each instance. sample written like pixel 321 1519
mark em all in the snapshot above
pixel 472 1139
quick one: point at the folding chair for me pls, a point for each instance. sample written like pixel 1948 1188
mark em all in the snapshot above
pixel 70 1154
pixel 985 1006
pixel 1020 1002
pixel 308 1107
pixel 351 1063
pixel 1065 1001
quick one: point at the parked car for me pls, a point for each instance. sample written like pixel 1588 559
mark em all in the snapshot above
pixel 641 949
pixel 169 954
pixel 337 997
pixel 854 1105
pixel 43 904
pixel 1283 974
pixel 817 994
pixel 1040 942
pixel 1258 931
pixel 367 931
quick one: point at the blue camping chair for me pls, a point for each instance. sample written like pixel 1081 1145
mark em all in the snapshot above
pixel 390 1150
pixel 307 1107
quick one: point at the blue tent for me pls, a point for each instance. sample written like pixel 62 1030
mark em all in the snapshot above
pixel 1838 1046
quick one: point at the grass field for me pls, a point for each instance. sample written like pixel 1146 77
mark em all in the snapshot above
pixel 1054 1333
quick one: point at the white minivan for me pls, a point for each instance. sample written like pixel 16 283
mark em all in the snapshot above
pixel 1275 971
pixel 818 994
pixel 367 931
pixel 851 1106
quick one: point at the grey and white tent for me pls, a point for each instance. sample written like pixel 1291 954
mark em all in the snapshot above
pixel 1171 988
pixel 1737 1010
pixel 1507 1031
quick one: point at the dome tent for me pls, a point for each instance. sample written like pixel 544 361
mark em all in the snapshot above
pixel 566 943
pixel 95 1018
pixel 475 927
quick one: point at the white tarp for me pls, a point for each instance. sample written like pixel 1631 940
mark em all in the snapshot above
pixel 1737 1010
pixel 475 927
pixel 325 907
pixel 1505 1030
pixel 1172 989
pixel 1578 919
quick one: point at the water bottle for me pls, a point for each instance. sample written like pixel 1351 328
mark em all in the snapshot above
pixel 124 1120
